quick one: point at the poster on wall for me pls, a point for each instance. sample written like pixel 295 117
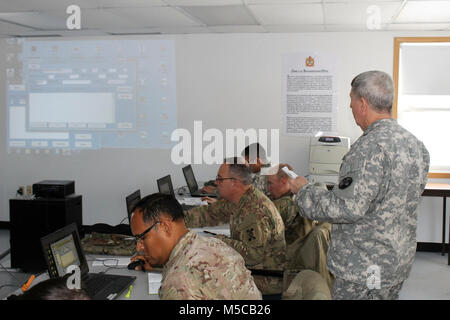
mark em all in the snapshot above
pixel 309 94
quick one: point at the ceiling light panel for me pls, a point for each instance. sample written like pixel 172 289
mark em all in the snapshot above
pixel 296 14
pixel 39 20
pixel 189 3
pixel 425 11
pixel 43 5
pixel 155 17
pixel 359 13
pixel 128 3
pixel 10 29
pixel 221 15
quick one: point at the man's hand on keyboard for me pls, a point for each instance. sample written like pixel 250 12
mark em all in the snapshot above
pixel 209 200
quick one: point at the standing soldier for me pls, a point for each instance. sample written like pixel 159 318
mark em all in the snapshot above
pixel 373 208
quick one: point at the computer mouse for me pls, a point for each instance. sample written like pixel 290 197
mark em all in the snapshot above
pixel 134 264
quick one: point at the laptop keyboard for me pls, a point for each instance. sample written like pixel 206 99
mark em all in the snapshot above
pixel 100 286
pixel 97 283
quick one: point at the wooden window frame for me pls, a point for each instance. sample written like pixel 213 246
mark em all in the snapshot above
pixel 397 42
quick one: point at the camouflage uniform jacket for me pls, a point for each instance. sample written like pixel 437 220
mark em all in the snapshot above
pixel 259 181
pixel 205 268
pixel 374 207
pixel 109 244
pixel 256 229
pixel 296 226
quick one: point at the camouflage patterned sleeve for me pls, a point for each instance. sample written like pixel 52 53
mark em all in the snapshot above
pixel 426 159
pixel 251 243
pixel 183 285
pixel 347 202
pixel 211 215
pixel 287 209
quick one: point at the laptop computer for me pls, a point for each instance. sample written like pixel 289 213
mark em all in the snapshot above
pixel 165 186
pixel 131 201
pixel 192 184
pixel 62 249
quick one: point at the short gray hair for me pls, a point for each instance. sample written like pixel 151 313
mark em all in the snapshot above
pixel 239 169
pixel 377 88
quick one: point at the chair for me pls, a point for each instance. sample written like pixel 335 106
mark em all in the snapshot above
pixel 307 285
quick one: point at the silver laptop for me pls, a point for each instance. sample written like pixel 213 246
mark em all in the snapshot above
pixel 62 249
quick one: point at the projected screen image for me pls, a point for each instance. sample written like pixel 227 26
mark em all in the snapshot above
pixel 90 94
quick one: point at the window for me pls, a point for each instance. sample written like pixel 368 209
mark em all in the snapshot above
pixel 422 99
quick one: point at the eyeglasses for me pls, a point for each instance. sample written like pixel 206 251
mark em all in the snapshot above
pixel 220 179
pixel 141 236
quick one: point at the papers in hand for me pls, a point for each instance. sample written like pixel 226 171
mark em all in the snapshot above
pixel 290 173
pixel 154 282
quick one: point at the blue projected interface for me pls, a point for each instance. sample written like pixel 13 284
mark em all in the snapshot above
pixel 90 94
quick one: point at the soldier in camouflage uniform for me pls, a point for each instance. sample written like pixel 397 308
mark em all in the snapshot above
pixel 256 227
pixel 255 155
pixel 296 227
pixel 256 161
pixel 373 208
pixel 307 241
pixel 195 267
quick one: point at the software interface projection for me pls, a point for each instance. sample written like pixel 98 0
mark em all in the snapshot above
pixel 90 94
pixel 65 254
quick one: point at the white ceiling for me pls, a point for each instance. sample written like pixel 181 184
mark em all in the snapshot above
pixel 103 17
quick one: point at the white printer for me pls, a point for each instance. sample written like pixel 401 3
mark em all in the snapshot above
pixel 325 158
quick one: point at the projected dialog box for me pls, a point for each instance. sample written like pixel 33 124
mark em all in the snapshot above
pixel 81 94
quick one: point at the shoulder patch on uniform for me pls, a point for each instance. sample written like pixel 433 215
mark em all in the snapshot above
pixel 251 234
pixel 344 183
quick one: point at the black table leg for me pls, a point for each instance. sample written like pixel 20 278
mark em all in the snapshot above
pixel 443 225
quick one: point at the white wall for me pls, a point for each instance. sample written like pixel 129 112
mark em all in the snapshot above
pixel 227 81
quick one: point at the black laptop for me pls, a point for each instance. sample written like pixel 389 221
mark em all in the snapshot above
pixel 192 184
pixel 165 186
pixel 131 201
pixel 62 249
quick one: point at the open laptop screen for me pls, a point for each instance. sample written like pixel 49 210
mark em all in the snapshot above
pixel 62 249
pixel 131 201
pixel 165 185
pixel 65 254
pixel 190 179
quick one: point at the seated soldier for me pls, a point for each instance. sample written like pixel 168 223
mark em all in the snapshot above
pixel 255 155
pixel 256 227
pixel 195 267
pixel 306 241
pixel 295 226
pixel 311 253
